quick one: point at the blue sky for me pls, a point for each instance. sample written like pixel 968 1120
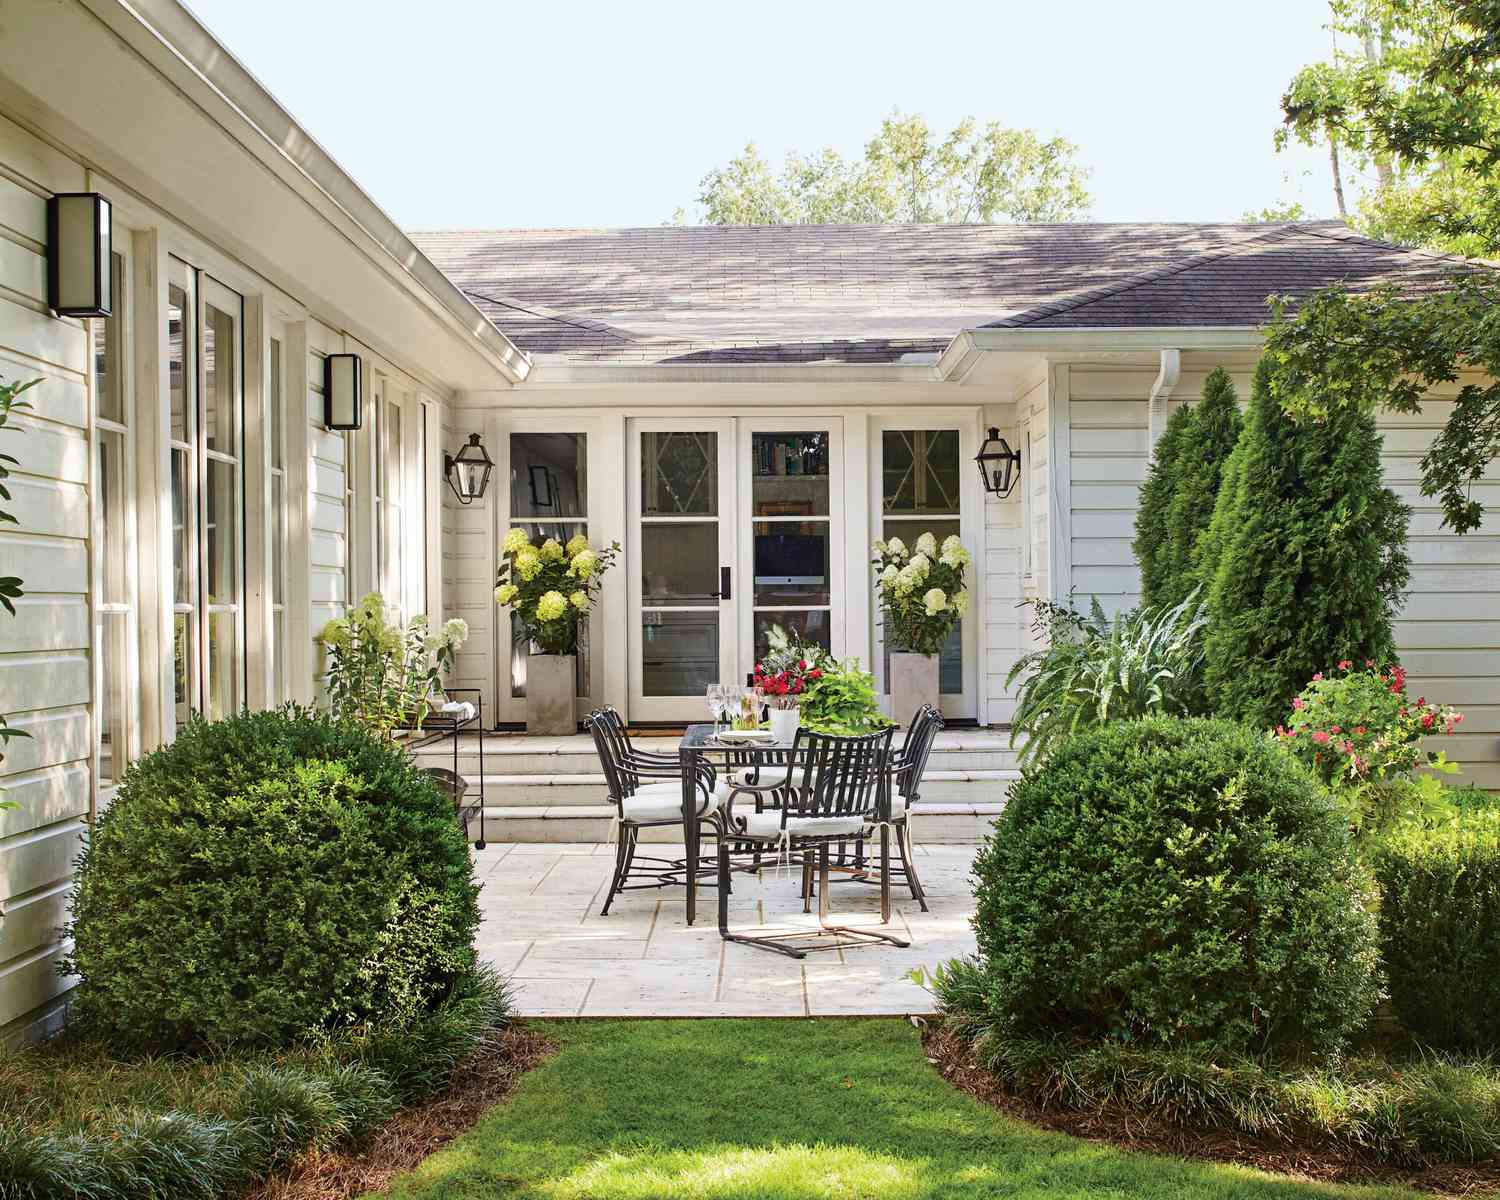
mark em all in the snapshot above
pixel 463 113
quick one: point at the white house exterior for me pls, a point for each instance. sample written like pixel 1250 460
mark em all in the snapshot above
pixel 747 407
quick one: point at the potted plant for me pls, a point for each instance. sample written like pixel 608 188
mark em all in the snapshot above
pixel 551 588
pixel 782 688
pixel 923 596
pixel 383 675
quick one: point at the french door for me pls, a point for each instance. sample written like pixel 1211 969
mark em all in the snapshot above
pixel 736 527
pixel 681 493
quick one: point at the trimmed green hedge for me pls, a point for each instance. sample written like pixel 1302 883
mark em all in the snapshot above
pixel 268 875
pixel 1179 882
pixel 1440 928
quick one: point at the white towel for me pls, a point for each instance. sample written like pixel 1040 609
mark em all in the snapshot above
pixel 461 710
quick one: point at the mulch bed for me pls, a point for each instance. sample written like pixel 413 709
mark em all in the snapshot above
pixel 1144 1133
pixel 412 1134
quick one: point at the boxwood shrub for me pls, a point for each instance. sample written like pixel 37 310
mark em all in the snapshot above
pixel 267 875
pixel 1440 928
pixel 1176 881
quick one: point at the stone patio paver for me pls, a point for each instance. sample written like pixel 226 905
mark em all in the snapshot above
pixel 542 927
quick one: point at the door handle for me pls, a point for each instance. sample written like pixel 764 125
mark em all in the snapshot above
pixel 725 591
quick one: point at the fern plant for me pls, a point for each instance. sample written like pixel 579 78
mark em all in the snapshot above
pixel 1093 670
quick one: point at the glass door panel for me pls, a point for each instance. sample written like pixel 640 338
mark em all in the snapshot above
pixel 793 509
pixel 683 632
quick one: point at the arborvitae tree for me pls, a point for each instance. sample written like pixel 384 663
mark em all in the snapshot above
pixel 1201 454
pixel 1310 563
pixel 1151 514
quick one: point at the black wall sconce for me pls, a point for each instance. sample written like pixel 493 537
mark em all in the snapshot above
pixel 79 242
pixel 342 391
pixel 999 465
pixel 468 471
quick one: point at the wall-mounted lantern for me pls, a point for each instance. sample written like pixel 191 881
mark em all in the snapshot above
pixel 468 471
pixel 999 465
pixel 342 392
pixel 78 250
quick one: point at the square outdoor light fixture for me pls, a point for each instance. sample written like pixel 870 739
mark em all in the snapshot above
pixel 998 464
pixel 341 391
pixel 78 247
pixel 468 471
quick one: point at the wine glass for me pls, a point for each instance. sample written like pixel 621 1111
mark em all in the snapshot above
pixel 715 694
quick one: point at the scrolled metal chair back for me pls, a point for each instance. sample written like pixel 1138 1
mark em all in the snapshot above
pixel 835 776
pixel 920 738
pixel 613 746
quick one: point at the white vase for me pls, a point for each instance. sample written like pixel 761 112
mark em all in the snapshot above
pixel 914 682
pixel 784 723
pixel 550 691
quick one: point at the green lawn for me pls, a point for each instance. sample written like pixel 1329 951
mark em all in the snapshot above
pixel 784 1109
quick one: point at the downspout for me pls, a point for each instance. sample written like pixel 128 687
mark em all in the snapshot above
pixel 1161 393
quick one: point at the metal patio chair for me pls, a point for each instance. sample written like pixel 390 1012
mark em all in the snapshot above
pixel 835 792
pixel 645 788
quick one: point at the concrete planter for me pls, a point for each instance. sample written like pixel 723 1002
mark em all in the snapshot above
pixel 784 723
pixel 550 690
pixel 914 682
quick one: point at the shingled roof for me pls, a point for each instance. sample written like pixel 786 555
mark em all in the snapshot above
pixel 888 293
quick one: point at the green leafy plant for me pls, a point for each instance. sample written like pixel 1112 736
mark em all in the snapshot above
pixel 10 585
pixel 383 676
pixel 1176 882
pixel 551 587
pixel 1307 557
pixel 265 876
pixel 843 700
pixel 922 591
pixel 1095 670
pixel 1362 736
pixel 1440 927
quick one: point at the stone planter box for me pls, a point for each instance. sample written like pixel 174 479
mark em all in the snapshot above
pixel 914 682
pixel 551 689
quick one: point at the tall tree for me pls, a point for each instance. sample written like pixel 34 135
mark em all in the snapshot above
pixel 1311 560
pixel 1416 98
pixel 907 174
pixel 1200 466
pixel 1154 506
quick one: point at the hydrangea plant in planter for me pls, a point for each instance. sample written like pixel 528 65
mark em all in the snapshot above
pixel 551 587
pixel 924 595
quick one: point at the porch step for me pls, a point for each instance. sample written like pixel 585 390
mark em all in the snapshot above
pixel 939 786
pixel 935 822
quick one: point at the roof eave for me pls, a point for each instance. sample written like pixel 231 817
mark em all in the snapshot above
pixel 197 51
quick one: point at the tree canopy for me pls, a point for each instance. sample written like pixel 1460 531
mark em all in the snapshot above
pixel 1412 90
pixel 908 174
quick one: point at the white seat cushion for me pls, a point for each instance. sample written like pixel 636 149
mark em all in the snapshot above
pixel 768 777
pixel 766 826
pixel 663 801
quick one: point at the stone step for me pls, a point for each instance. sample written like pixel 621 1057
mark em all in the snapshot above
pixel 934 822
pixel 567 790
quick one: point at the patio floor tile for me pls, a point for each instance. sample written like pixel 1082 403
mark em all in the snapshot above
pixel 542 926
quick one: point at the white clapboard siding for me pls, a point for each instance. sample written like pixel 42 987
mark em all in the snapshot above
pixel 999 563
pixel 328 583
pixel 46 676
pixel 469 581
pixel 1448 630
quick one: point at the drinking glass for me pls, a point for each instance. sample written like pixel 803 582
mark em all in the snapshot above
pixel 715 695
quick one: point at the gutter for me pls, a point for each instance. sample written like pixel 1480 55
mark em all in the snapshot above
pixel 1161 392
pixel 188 40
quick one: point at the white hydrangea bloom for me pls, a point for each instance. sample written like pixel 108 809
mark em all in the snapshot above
pixel 896 548
pixel 920 565
pixel 961 603
pixel 927 545
pixel 935 601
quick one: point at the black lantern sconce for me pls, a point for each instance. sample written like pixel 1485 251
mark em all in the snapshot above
pixel 342 391
pixel 78 254
pixel 999 465
pixel 468 471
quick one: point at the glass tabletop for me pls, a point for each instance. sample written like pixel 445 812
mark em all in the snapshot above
pixel 701 738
